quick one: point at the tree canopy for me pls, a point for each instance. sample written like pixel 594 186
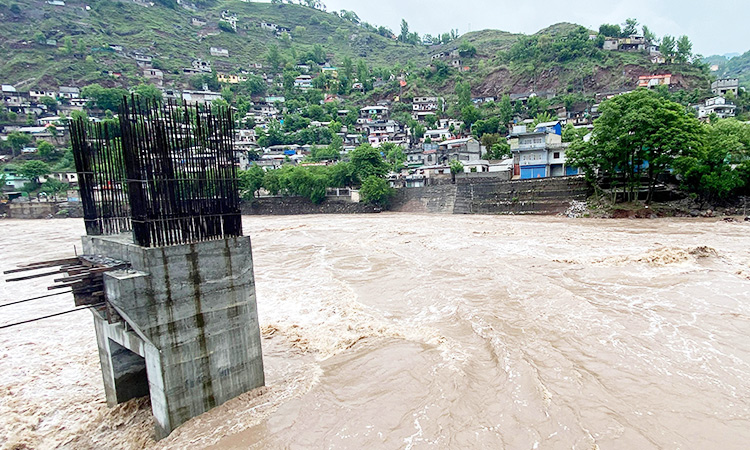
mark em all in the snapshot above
pixel 639 134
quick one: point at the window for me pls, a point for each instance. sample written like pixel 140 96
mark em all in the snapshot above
pixel 556 155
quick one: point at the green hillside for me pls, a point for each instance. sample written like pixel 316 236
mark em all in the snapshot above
pixel 47 46
pixel 169 35
pixel 737 67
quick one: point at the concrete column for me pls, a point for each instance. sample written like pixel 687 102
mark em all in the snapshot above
pixel 191 315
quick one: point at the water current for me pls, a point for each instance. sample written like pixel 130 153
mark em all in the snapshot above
pixel 429 331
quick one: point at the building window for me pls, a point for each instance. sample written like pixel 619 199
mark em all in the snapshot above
pixel 556 155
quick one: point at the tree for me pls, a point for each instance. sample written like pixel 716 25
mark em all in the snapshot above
pixel 274 58
pixel 226 26
pixel 463 91
pixel 104 98
pixel 149 93
pixel 377 191
pixel 571 134
pixel 638 134
pixel 367 162
pixel 255 85
pixel 34 169
pixel 39 38
pixel 250 181
pixel 648 35
pixel 469 115
pixel 46 150
pixel 49 102
pixel 17 141
pixel 466 50
pixel 631 27
pixel 610 30
pixel 668 47
pixel 684 49
pixel 404 36
pixel 716 170
pixel 456 168
pixel 394 154
pixel 53 186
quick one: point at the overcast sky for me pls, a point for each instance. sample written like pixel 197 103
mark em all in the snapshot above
pixel 714 27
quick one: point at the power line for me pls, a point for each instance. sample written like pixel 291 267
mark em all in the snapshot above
pixel 48 316
pixel 36 298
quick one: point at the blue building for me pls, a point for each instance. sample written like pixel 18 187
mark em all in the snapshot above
pixel 539 153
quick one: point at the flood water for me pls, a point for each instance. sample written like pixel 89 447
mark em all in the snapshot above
pixel 428 331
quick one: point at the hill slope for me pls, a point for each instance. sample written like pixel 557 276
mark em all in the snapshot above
pixel 47 45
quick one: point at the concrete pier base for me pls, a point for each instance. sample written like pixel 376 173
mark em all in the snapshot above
pixel 188 333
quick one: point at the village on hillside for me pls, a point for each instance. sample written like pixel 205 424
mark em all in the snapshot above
pixel 311 114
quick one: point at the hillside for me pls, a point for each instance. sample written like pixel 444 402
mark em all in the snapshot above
pixel 79 43
pixel 171 37
pixel 736 67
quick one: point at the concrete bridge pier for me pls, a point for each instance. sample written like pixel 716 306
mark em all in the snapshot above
pixel 182 325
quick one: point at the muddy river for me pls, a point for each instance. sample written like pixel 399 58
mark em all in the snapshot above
pixel 428 331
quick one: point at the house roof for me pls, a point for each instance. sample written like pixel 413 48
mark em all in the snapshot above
pixel 456 141
pixel 548 124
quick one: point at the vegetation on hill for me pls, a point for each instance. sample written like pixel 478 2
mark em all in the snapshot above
pixel 737 67
pixel 76 44
pixel 642 135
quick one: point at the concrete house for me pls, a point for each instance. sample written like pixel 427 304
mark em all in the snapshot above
pixel 68 92
pixel 218 51
pixel 424 106
pixel 539 153
pixel 230 78
pixel 193 97
pixel 464 150
pixel 373 113
pixel 652 81
pixel 725 85
pixel 303 82
pixel 441 134
pixel 716 105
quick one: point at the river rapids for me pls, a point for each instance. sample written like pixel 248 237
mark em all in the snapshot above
pixel 429 331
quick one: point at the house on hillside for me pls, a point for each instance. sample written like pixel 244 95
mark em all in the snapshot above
pixel 715 105
pixel 143 60
pixel 652 81
pixel 303 82
pixel 439 135
pixel 194 97
pixel 69 92
pixel 218 51
pixel 539 153
pixel 464 150
pixel 726 85
pixel 425 106
pixel 230 78
pixel 154 75
pixel 373 113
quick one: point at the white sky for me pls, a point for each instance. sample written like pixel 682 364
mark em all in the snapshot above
pixel 713 27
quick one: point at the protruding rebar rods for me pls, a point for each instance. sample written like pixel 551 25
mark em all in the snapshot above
pixel 168 173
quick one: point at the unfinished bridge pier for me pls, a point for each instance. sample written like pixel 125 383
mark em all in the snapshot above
pixel 189 333
pixel 169 274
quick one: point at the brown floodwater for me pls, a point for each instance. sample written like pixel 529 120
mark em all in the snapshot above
pixel 430 331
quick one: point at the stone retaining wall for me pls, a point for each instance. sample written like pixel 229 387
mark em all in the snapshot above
pixel 491 195
pixel 301 205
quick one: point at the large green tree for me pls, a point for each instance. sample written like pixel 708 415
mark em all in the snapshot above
pixel 34 169
pixel 367 162
pixel 17 141
pixel 639 134
pixel 717 170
